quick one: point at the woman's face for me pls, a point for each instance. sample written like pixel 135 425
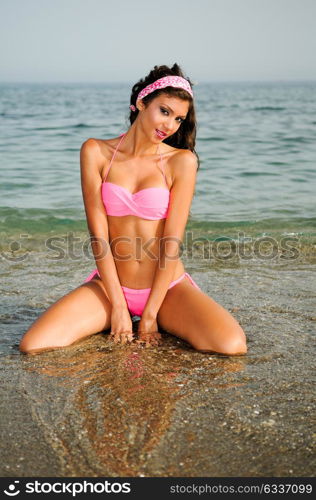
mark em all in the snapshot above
pixel 163 116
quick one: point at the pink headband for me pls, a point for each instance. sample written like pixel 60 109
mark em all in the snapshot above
pixel 166 81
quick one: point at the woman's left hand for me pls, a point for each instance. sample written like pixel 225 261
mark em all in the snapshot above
pixel 148 332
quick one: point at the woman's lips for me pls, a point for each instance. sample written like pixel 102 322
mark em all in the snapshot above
pixel 160 134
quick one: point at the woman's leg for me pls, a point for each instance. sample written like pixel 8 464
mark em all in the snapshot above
pixel 82 312
pixel 195 317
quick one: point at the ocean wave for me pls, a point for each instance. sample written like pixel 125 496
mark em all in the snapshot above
pixel 210 139
pixel 254 174
pixel 61 127
pixel 299 139
pixel 51 217
pixel 268 108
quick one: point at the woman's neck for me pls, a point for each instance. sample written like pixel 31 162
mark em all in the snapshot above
pixel 136 143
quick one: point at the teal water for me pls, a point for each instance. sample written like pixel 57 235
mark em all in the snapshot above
pixel 249 244
pixel 254 204
pixel 257 145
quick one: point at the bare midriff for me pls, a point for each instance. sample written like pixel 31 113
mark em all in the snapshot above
pixel 135 245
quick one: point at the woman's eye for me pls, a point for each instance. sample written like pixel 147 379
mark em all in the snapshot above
pixel 166 111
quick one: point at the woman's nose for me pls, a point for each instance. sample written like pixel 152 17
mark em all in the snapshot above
pixel 169 124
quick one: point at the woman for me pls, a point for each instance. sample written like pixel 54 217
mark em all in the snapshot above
pixel 137 192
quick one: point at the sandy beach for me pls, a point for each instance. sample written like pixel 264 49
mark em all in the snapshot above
pixel 97 409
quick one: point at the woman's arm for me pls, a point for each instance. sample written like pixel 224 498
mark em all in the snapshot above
pixel 90 167
pixel 184 167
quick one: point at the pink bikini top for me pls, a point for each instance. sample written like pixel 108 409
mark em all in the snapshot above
pixel 150 203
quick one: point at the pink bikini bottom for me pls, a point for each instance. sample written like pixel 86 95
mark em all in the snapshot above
pixel 136 298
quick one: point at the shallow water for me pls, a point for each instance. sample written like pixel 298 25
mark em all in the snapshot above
pixel 97 409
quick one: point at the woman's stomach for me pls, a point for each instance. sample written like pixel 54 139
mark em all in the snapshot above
pixel 137 248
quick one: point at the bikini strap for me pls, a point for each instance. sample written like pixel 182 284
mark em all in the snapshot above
pixel 162 168
pixel 113 156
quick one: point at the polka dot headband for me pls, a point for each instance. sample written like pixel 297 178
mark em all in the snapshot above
pixel 166 81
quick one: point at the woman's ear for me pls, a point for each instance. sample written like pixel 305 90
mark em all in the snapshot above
pixel 140 105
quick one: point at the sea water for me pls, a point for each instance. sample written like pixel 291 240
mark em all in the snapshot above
pixel 254 198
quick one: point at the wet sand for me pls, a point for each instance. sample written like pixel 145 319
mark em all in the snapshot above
pixel 97 409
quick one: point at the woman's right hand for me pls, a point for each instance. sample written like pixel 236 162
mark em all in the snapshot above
pixel 121 325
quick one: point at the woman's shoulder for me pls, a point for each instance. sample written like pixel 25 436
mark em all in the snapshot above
pixel 180 158
pixel 98 146
pixel 180 163
pixel 96 152
pixel 101 150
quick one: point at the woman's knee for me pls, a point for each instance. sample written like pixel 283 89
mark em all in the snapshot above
pixel 230 343
pixel 29 345
pixel 81 313
pixel 235 345
pixel 24 345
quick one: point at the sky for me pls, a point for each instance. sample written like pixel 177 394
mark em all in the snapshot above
pixel 122 40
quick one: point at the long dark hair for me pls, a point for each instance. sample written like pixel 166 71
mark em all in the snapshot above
pixel 185 136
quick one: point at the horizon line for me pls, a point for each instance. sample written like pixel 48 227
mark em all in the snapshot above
pixel 127 82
